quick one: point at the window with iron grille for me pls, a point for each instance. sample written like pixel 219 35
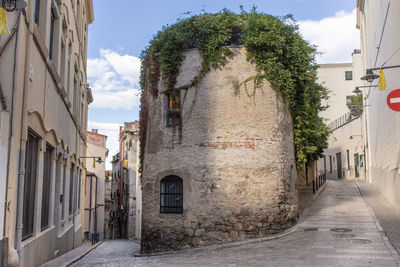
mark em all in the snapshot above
pixel 30 185
pixel 171 195
pixel 46 187
pixel 71 188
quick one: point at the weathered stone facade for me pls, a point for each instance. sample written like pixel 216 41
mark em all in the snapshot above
pixel 234 153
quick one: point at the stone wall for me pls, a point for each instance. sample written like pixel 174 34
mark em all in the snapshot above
pixel 234 154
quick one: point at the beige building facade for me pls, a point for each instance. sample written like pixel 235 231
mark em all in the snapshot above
pixel 95 182
pixel 380 44
pixel 227 173
pixel 43 119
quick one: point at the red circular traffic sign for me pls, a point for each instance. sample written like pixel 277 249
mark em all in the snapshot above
pixel 393 100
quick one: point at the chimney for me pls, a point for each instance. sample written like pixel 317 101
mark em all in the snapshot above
pixel 95 131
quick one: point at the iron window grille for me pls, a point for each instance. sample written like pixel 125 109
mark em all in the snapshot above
pixel 171 195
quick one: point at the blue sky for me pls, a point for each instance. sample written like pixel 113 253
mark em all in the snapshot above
pixel 122 28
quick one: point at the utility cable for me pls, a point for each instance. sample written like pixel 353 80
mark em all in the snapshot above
pixel 383 30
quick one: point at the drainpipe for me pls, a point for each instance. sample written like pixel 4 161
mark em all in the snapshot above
pixel 24 132
pixel 11 117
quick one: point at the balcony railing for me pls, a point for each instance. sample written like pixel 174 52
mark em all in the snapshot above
pixel 346 118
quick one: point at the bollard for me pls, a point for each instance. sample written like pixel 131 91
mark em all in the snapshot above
pixel 313 187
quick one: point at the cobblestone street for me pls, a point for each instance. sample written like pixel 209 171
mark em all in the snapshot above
pixel 339 229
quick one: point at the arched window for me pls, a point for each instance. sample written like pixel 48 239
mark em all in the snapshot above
pixel 171 195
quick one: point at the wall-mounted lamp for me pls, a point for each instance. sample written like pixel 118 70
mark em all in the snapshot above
pixel 370 76
pixel 11 5
pixel 95 159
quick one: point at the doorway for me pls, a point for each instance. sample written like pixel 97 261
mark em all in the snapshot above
pixel 339 165
pixel 356 165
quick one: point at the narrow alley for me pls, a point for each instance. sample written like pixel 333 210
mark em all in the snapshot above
pixel 338 229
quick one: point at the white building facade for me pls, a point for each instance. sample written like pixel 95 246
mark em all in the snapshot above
pixel 345 155
pixel 379 22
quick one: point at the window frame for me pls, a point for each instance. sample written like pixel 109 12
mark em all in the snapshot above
pixel 36 17
pixel 29 194
pixel 165 202
pixel 348 74
pixel 47 174
pixel 170 110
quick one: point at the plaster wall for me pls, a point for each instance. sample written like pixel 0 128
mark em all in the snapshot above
pixel 333 77
pixel 383 123
pixel 46 110
pixel 349 137
pixel 96 147
pixel 234 154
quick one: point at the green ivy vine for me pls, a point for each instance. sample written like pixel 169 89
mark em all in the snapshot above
pixel 275 46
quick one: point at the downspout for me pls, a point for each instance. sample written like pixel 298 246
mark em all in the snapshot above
pixel 24 133
pixel 90 205
pixel 95 211
pixel 11 118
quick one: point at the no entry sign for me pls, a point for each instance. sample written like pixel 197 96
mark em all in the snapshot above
pixel 393 100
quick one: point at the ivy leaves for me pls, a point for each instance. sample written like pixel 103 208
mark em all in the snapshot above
pixel 280 54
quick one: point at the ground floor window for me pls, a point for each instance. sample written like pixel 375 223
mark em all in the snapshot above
pixel 171 195
pixel 46 187
pixel 30 185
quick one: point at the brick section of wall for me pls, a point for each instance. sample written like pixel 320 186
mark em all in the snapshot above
pixel 97 139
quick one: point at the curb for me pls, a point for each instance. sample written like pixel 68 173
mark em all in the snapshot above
pixel 381 231
pixel 291 230
pixel 76 259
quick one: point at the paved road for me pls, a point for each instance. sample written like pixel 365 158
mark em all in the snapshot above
pixel 314 243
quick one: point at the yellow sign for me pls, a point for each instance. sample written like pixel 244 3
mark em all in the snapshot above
pixel 382 80
pixel 3 20
pixel 125 165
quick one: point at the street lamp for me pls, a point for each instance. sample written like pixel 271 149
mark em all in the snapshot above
pixel 95 159
pixel 11 5
pixel 370 76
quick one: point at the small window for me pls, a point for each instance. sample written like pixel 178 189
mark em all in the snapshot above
pixel 349 75
pixel 330 164
pixel 171 195
pixel 37 11
pixel 52 20
pixel 174 108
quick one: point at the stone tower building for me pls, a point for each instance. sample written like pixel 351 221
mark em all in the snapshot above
pixel 219 163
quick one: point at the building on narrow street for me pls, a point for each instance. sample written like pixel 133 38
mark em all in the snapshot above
pixel 43 123
pixel 95 182
pixel 115 193
pixel 125 189
pixel 380 46
pixel 228 172
pixel 345 155
pixel 129 146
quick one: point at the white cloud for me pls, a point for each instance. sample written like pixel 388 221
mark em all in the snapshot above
pixel 114 79
pixel 111 130
pixel 336 37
